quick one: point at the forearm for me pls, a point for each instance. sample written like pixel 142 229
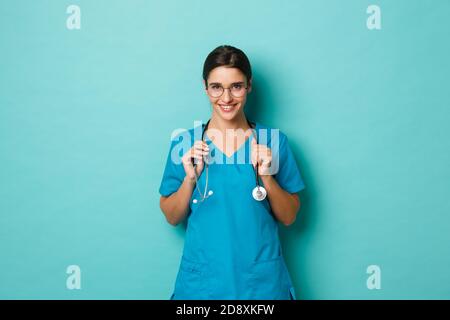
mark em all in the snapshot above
pixel 176 206
pixel 284 204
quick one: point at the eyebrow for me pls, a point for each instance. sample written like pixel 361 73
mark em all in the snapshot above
pixel 240 82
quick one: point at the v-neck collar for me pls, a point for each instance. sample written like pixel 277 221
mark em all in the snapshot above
pixel 239 148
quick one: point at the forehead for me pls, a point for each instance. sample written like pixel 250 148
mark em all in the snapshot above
pixel 225 75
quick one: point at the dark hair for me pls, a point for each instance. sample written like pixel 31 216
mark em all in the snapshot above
pixel 228 56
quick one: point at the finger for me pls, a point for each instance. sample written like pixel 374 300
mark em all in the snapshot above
pixel 201 145
pixel 187 161
pixel 196 152
pixel 201 142
pixel 266 150
pixel 265 162
pixel 262 149
pixel 205 148
pixel 198 147
pixel 201 152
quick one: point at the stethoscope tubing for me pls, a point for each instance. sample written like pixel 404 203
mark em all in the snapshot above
pixel 258 193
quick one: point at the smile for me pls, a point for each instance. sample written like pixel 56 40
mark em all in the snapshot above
pixel 227 107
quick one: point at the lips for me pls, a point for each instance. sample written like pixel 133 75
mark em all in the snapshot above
pixel 227 107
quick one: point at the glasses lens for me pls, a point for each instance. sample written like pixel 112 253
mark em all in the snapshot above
pixel 215 90
pixel 237 90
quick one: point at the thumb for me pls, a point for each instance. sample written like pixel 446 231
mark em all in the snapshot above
pixel 253 142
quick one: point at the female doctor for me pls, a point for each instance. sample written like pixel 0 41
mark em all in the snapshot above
pixel 232 249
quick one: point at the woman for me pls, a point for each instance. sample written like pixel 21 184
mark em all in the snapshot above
pixel 234 203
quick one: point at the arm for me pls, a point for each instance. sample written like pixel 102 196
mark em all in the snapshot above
pixel 176 206
pixel 284 205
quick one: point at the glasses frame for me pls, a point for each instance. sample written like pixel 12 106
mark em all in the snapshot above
pixel 223 90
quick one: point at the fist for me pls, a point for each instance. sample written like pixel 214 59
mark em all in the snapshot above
pixel 195 154
pixel 261 156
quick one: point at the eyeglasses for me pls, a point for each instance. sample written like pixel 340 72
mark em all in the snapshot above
pixel 237 90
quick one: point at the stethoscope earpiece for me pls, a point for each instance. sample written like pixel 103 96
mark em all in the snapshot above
pixel 210 193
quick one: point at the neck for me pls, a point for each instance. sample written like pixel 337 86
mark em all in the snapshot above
pixel 240 122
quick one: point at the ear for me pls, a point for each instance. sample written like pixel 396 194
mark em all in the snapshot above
pixel 249 89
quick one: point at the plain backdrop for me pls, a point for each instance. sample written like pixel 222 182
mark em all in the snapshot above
pixel 86 117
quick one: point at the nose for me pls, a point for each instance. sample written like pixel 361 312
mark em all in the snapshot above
pixel 226 96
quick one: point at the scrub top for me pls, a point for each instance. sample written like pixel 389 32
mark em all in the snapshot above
pixel 232 248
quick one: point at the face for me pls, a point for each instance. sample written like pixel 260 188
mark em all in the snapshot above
pixel 227 106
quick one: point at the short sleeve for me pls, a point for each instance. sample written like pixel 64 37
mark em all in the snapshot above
pixel 288 175
pixel 173 173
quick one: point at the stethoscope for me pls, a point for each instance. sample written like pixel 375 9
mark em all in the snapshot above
pixel 259 193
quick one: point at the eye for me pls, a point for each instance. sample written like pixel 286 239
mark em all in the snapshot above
pixel 215 86
pixel 237 86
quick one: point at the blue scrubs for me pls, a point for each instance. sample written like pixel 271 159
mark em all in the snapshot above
pixel 232 249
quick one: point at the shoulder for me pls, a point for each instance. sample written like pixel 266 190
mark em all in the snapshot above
pixel 188 135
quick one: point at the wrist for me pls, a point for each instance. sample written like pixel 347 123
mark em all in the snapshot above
pixel 264 171
pixel 189 180
pixel 266 178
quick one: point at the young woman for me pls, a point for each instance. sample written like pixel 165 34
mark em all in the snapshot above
pixel 234 203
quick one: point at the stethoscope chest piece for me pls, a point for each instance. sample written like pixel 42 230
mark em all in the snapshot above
pixel 259 193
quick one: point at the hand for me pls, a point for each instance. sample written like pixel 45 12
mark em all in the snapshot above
pixel 197 152
pixel 262 157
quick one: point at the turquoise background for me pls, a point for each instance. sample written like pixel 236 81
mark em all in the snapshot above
pixel 86 117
